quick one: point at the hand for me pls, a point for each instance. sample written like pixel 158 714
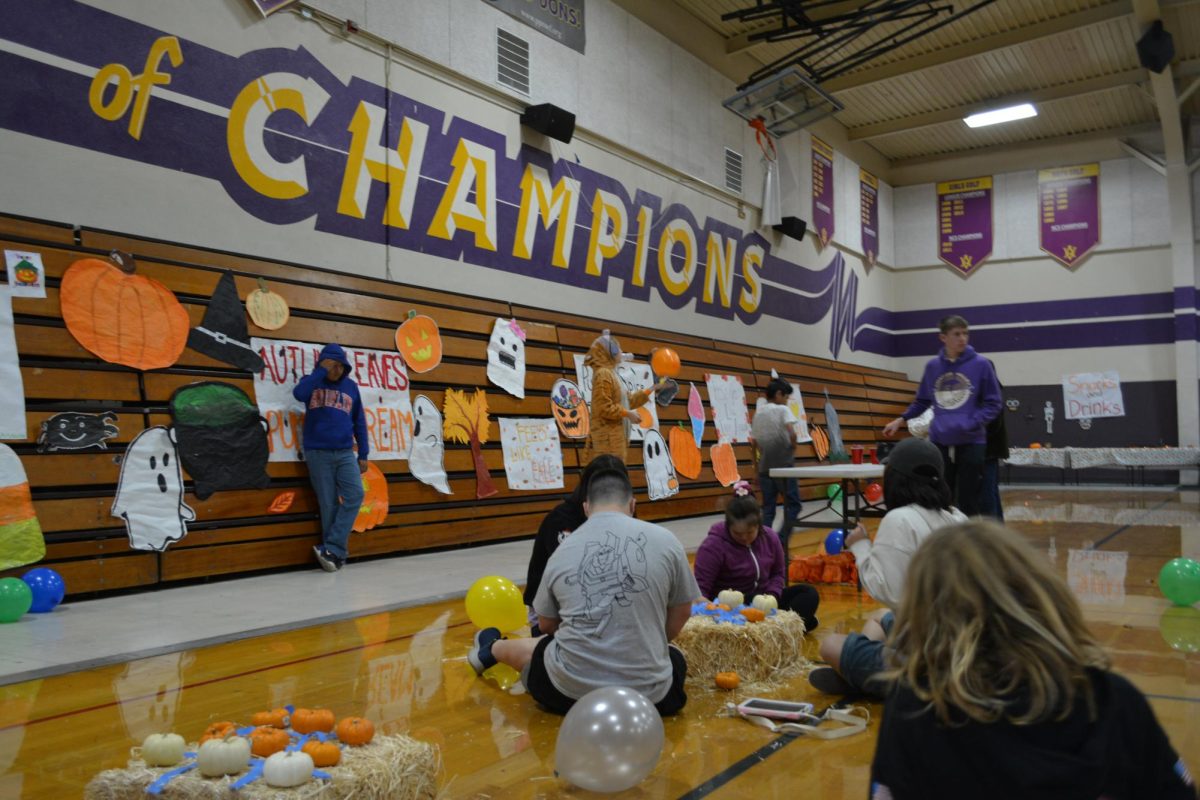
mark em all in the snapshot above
pixel 893 427
pixel 858 534
pixel 658 387
pixel 328 364
pixel 362 466
pixel 635 417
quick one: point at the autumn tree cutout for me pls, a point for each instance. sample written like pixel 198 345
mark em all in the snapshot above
pixel 466 422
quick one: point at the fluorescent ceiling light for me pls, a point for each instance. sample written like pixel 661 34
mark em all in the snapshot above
pixel 996 116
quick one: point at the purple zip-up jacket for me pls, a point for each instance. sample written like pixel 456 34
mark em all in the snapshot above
pixel 965 396
pixel 722 563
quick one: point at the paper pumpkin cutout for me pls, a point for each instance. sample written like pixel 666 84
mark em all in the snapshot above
pixel 466 422
pixel 150 492
pixel 685 455
pixel 506 357
pixel 120 316
pixel 21 540
pixel 75 430
pixel 570 412
pixel 222 334
pixel 374 509
pixel 820 442
pixel 267 309
pixel 724 463
pixel 420 342
pixel 696 412
pixel 222 439
pixel 660 472
pixel 426 459
pixel 282 502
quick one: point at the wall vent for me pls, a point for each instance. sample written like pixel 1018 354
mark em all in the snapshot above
pixel 733 171
pixel 512 61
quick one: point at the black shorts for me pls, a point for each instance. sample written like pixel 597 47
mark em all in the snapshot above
pixel 547 695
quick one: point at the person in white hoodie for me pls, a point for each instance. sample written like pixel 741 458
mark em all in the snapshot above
pixel 918 496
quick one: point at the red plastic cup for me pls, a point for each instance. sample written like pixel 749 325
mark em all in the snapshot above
pixel 856 454
pixel 874 455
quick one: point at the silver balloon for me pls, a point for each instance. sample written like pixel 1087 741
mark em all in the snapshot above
pixel 609 741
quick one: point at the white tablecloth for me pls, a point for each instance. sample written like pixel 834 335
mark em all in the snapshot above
pixel 831 472
pixel 1040 457
pixel 1085 457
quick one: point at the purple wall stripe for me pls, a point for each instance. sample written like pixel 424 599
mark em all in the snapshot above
pixel 1185 296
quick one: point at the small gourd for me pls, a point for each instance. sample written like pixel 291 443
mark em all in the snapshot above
pixel 355 731
pixel 267 310
pixel 227 756
pixel 275 718
pixel 731 598
pixel 311 720
pixel 265 741
pixel 753 615
pixel 323 754
pixel 765 603
pixel 288 769
pixel 163 749
pixel 727 680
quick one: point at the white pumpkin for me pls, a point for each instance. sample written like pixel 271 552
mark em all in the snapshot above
pixel 765 603
pixel 228 756
pixel 728 597
pixel 287 769
pixel 163 749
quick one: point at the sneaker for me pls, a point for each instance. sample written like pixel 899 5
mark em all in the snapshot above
pixel 828 681
pixel 329 562
pixel 480 654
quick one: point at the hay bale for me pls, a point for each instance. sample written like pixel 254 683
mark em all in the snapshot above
pixel 389 768
pixel 761 653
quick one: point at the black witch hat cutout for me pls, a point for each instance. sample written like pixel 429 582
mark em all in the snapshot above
pixel 222 333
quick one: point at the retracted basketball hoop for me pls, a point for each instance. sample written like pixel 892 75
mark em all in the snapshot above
pixel 786 102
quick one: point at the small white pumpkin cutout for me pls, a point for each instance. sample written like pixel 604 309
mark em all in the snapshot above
pixel 288 769
pixel 163 749
pixel 267 309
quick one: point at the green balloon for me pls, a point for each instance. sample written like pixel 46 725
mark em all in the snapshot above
pixel 1179 580
pixel 833 491
pixel 15 599
pixel 1180 628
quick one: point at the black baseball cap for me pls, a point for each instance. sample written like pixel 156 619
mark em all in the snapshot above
pixel 916 458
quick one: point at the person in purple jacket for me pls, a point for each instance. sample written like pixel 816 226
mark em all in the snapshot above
pixel 744 555
pixel 962 387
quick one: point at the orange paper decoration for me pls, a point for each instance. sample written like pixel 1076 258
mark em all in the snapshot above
pixel 375 500
pixel 684 453
pixel 724 463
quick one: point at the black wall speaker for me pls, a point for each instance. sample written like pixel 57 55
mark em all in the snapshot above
pixel 1156 48
pixel 555 122
pixel 793 227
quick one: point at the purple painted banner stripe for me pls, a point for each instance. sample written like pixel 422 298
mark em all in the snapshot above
pixel 1185 296
pixel 1050 337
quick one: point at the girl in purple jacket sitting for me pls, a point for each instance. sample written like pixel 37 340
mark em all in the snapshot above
pixel 744 555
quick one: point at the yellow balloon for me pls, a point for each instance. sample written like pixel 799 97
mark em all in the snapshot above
pixel 496 602
pixel 504 675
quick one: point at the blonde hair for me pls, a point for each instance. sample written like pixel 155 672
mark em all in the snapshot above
pixel 984 621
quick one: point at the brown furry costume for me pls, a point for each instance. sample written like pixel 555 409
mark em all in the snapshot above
pixel 610 402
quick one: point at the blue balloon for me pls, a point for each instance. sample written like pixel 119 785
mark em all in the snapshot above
pixel 834 541
pixel 47 587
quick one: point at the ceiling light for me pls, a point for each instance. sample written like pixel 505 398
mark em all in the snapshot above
pixel 996 116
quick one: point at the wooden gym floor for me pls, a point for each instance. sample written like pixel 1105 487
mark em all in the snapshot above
pixel 407 671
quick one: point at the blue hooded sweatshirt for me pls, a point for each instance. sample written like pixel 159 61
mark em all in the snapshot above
pixel 965 396
pixel 333 412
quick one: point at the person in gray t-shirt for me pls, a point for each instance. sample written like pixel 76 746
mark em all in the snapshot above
pixel 613 595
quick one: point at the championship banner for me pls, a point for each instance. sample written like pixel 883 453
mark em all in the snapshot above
pixel 1069 199
pixel 868 202
pixel 822 190
pixel 965 222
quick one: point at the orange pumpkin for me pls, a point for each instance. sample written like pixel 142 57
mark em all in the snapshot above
pixel 267 310
pixel 355 731
pixel 665 362
pixel 420 342
pixel 323 754
pixel 753 614
pixel 374 509
pixel 123 317
pixel 218 730
pixel 1035 446
pixel 724 463
pixel 727 680
pixel 311 720
pixel 275 718
pixel 684 453
pixel 646 421
pixel 266 740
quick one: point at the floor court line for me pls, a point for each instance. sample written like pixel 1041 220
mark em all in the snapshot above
pixel 1124 528
pixel 740 767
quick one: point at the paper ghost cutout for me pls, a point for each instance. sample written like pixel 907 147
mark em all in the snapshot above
pixel 570 412
pixel 150 492
pixel 21 540
pixel 222 333
pixel 506 357
pixel 75 430
pixel 426 458
pixel 222 439
pixel 660 472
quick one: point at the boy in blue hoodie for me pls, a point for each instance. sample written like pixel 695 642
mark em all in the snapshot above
pixel 333 422
pixel 961 386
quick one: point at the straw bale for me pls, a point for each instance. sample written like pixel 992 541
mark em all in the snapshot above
pixel 763 654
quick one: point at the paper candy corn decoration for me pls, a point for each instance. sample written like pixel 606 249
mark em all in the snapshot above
pixel 21 539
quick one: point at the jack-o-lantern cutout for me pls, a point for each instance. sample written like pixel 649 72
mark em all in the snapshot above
pixel 123 317
pixel 420 342
pixel 570 412
pixel 267 309
pixel 375 502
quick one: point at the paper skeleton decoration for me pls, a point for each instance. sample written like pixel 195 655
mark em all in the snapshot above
pixel 506 357
pixel 222 439
pixel 222 334
pixel 660 472
pixel 75 430
pixel 150 492
pixel 426 459
pixel 570 412
pixel 21 540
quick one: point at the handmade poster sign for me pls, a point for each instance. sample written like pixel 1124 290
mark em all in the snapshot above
pixel 660 471
pixel 374 509
pixel 795 404
pixel 267 309
pixel 466 422
pixel 221 437
pixel 120 316
pixel 633 377
pixel 569 409
pixel 696 413
pixel 76 430
pixel 420 342
pixel 12 386
pixel 150 492
pixel 426 459
pixel 727 397
pixel 382 384
pixel 532 455
pixel 222 333
pixel 506 357
pixel 1090 395
pixel 21 540
pixel 26 274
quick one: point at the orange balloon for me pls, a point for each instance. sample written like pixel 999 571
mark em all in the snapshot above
pixel 665 362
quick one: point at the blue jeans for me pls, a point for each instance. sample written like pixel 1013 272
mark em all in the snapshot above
pixel 334 474
pixel 991 490
pixel 771 487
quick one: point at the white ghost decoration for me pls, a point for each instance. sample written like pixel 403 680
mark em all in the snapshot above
pixel 506 357
pixel 426 458
pixel 660 471
pixel 150 492
pixel 149 690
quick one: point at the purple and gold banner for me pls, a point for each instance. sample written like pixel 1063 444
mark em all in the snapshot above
pixel 268 7
pixel 822 190
pixel 868 203
pixel 1069 205
pixel 965 222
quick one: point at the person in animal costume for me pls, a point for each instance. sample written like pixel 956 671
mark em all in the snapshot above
pixel 613 406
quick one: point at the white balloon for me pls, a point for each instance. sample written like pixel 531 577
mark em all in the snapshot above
pixel 609 741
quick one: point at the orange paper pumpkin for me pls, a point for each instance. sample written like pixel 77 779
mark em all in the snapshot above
pixel 267 310
pixel 724 463
pixel 311 720
pixel 375 503
pixel 646 421
pixel 123 317
pixel 420 342
pixel 684 453
pixel 323 754
pixel 569 410
pixel 355 731
pixel 266 740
